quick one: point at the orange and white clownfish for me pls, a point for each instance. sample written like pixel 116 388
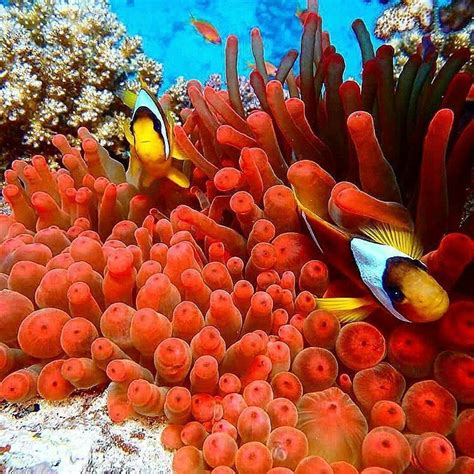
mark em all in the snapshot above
pixel 385 263
pixel 152 147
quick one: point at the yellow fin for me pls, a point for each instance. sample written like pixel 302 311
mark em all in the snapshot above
pixel 177 154
pixel 147 180
pixel 128 134
pixel 134 169
pixel 348 309
pixel 170 117
pixel 404 240
pixel 128 98
pixel 178 178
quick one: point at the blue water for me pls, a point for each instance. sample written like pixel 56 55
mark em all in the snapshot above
pixel 169 37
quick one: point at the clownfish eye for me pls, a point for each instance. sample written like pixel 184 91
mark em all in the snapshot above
pixel 395 294
pixel 156 124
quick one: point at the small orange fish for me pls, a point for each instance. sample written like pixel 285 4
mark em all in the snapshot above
pixel 302 14
pixel 270 68
pixel 206 30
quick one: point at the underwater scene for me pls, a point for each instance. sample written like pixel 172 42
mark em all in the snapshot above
pixel 237 236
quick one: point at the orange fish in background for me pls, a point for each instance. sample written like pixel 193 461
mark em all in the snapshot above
pixel 270 68
pixel 302 14
pixel 207 30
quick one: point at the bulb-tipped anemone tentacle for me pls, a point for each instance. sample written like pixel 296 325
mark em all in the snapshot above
pixel 387 448
pixel 233 306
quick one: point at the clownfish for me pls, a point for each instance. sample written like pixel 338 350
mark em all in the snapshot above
pixel 152 147
pixel 207 30
pixel 385 263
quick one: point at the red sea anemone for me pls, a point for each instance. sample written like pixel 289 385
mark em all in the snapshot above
pixel 253 458
pixel 463 432
pixel 386 447
pixel 455 372
pixel 288 446
pixel 360 345
pixel 433 453
pixel 387 413
pixel 333 424
pixel 429 407
pixel 410 351
pixel 381 382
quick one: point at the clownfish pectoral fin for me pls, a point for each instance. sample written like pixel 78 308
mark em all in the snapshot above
pixel 177 153
pixel 147 180
pixel 128 133
pixel 348 309
pixel 170 118
pixel 128 98
pixel 134 169
pixel 178 178
pixel 401 239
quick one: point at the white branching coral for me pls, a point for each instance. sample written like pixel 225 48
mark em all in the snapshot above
pixel 405 16
pixel 179 100
pixel 178 93
pixel 249 99
pixel 62 63
pixel 405 24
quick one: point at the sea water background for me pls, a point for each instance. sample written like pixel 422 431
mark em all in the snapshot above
pixel 169 37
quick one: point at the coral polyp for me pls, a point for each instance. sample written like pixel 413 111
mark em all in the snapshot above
pixel 234 307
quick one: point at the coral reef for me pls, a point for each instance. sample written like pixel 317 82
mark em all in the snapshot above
pixel 456 15
pixel 249 99
pixel 405 16
pixel 61 66
pixel 212 305
pixel 407 23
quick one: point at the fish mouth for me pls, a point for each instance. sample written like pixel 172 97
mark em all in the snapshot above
pixel 441 304
pixel 145 141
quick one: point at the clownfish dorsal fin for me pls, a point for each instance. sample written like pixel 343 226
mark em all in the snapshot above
pixel 403 240
pixel 143 84
pixel 348 309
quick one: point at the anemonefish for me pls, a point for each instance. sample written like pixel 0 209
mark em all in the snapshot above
pixel 385 263
pixel 152 147
pixel 207 30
